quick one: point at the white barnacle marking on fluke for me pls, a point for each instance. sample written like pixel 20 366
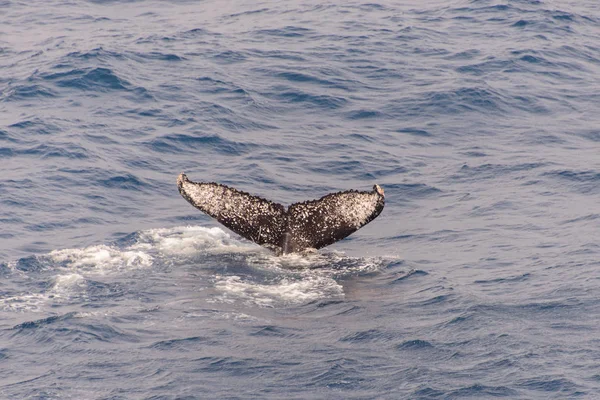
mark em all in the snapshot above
pixel 310 224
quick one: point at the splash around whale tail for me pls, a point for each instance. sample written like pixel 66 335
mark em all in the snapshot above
pixel 309 224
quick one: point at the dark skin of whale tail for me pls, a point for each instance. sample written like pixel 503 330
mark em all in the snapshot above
pixel 310 224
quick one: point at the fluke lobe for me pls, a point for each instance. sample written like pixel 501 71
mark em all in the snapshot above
pixel 308 225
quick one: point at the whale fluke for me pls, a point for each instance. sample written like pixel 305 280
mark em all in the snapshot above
pixel 310 224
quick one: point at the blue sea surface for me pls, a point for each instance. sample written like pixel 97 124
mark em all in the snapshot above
pixel 479 118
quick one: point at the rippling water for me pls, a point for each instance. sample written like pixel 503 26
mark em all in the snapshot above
pixel 479 118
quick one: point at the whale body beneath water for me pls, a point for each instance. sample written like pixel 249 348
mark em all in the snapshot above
pixel 307 225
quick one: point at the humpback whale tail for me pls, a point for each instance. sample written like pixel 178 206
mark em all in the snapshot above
pixel 310 224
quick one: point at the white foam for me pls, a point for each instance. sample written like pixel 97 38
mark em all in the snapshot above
pixel 189 240
pixel 27 302
pixel 74 265
pixel 102 258
pixel 330 264
pixel 63 288
pixel 295 278
pixel 66 285
pixel 300 278
pixel 161 242
pixel 284 291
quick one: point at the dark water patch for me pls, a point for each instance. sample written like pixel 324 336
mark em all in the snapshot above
pixel 549 383
pixel 151 112
pixel 27 92
pixel 464 318
pixel 88 221
pixel 414 132
pixel 585 218
pixel 159 56
pixel 144 163
pixel 411 190
pixel 520 23
pixel 410 274
pixel 139 94
pixel 336 166
pixel 106 333
pixel 386 172
pixel 286 32
pixel 97 79
pixel 76 335
pixel 341 374
pixel 490 66
pixel 493 209
pixel 37 126
pixel 31 264
pixel 236 367
pixel 305 77
pixel 540 138
pixel 196 217
pixel 415 344
pixel 371 335
pixel 471 98
pixel 553 309
pixel 415 33
pixel 217 86
pixel 519 278
pixel 533 60
pixel 55 151
pixel 245 13
pixel 278 55
pixel 464 55
pixel 576 176
pixel 6 152
pixel 482 391
pixel 580 181
pixel 96 54
pixel 40 323
pixel 238 124
pixel 48 226
pixel 178 143
pixel 322 102
pixel 125 181
pixel 593 135
pixel 274 331
pixel 96 290
pixel 363 114
pixel 491 171
pixel 101 139
pixel 197 32
pixel 458 101
pixel 444 298
pixel 229 57
pixel 211 81
pixel 547 24
pixel 360 137
pixel 474 154
pixel 588 54
pixel 213 110
pixel 372 7
pixel 125 239
pixel 5 136
pixel 184 344
pixel 376 73
pixel 429 393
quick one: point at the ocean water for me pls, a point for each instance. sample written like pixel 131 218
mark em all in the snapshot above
pixel 479 118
